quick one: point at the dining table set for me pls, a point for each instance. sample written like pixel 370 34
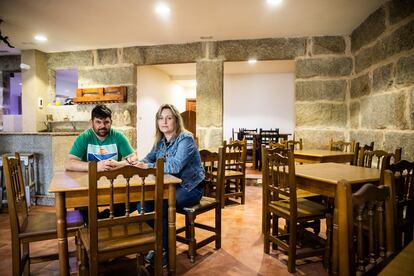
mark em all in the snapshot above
pixel 316 170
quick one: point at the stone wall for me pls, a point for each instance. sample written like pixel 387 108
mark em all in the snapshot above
pixel 321 88
pixel 381 98
pixel 98 68
pixel 7 64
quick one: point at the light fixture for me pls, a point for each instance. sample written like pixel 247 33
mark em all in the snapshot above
pixel 252 61
pixel 40 37
pixel 274 2
pixel 24 66
pixel 162 9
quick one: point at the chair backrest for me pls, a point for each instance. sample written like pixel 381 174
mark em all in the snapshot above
pixel 367 230
pixel 278 176
pixel 397 155
pixel 295 144
pixel 16 196
pixel 268 135
pixel 378 159
pixel 277 145
pixel 341 145
pixel 124 178
pixel 359 153
pixel 213 171
pixel 235 155
pixel 401 175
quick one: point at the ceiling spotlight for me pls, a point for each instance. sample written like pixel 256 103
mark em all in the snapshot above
pixel 40 38
pixel 162 9
pixel 274 2
pixel 252 61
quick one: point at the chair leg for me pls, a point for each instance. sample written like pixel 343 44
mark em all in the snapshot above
pixel 187 228
pixel 82 260
pixel 218 226
pixel 266 231
pixel 274 222
pixel 93 266
pixel 292 247
pixel 327 256
pixel 26 254
pixel 243 190
pixel 16 259
pixel 192 243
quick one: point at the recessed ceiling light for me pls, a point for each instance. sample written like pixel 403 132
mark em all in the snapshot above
pixel 162 9
pixel 274 2
pixel 40 38
pixel 252 61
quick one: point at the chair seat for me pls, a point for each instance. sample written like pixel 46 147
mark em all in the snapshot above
pixel 206 203
pixel 41 225
pixel 120 237
pixel 306 208
pixel 302 193
pixel 230 173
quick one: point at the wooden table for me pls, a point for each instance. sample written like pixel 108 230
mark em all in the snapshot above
pixel 322 156
pixel 402 264
pixel 71 189
pixel 322 178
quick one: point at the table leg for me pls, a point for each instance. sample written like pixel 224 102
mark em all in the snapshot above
pixel 61 233
pixel 172 250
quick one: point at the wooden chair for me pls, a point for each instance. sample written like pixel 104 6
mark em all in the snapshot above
pixel 27 227
pixel 397 155
pixel 248 135
pixel 367 231
pixel 214 169
pixel 234 183
pixel 401 175
pixel 341 145
pixel 265 137
pixel 281 148
pixel 281 202
pixel 359 153
pixel 378 159
pixel 295 144
pixel 105 239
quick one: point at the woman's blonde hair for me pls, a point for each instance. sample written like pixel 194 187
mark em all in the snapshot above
pixel 179 125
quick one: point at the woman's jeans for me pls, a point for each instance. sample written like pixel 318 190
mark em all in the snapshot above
pixel 184 199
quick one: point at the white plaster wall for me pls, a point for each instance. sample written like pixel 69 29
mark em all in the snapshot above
pixel 259 101
pixel 154 89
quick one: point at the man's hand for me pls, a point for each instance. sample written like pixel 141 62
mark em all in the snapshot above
pixel 109 164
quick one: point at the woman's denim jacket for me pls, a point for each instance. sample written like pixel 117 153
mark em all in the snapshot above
pixel 181 159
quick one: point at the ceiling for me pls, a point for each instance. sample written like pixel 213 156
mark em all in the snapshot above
pixel 72 25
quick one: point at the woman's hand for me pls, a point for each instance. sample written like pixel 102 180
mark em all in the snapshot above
pixel 141 165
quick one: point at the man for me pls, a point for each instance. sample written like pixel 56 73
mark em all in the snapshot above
pixel 100 143
pixel 103 144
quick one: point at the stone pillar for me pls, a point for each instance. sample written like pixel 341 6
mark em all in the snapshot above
pixel 34 89
pixel 210 103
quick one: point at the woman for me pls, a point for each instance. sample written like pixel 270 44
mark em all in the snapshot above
pixel 177 146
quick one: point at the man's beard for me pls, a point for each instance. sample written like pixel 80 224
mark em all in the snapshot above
pixel 102 132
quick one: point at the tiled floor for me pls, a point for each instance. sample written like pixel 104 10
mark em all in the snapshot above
pixel 241 252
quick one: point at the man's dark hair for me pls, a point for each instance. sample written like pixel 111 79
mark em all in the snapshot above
pixel 101 112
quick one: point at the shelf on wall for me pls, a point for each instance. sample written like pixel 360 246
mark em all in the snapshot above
pixel 114 94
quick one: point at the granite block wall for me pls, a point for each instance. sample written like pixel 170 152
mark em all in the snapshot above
pixel 382 84
pixel 98 68
pixel 321 90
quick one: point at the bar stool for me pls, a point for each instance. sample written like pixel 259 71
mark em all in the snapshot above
pixel 30 174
